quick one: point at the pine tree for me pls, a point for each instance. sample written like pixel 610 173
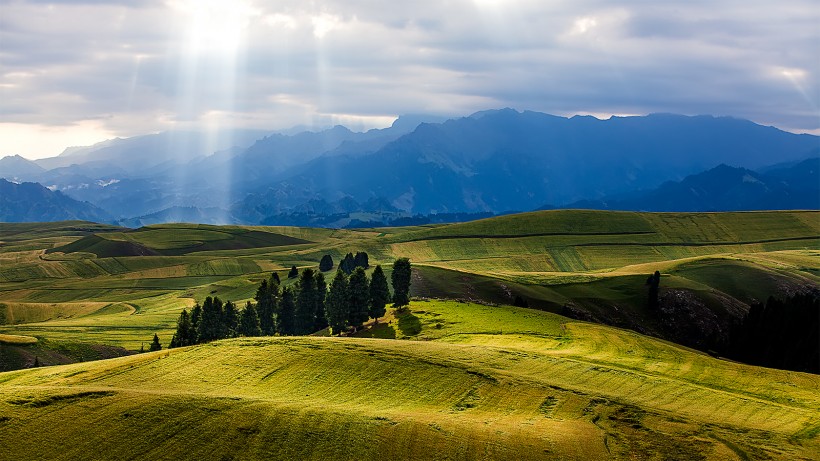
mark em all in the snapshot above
pixel 361 260
pixel 196 318
pixel 36 362
pixel 287 313
pixel 275 276
pixel 294 272
pixel 321 294
pixel 267 304
pixel 337 302
pixel 359 293
pixel 379 293
pixel 348 264
pixel 326 263
pixel 231 320
pixel 185 334
pixel 211 326
pixel 401 282
pixel 155 345
pixel 306 302
pixel 654 282
pixel 249 321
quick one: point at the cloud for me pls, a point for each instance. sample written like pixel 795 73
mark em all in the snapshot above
pixel 131 68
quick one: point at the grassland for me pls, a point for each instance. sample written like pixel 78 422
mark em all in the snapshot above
pixel 456 387
pixel 440 380
pixel 65 281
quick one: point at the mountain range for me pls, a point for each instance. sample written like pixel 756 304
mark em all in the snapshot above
pixel 490 162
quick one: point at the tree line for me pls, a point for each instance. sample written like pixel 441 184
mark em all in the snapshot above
pixel 308 306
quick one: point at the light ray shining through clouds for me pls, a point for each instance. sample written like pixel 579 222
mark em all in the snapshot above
pixel 130 68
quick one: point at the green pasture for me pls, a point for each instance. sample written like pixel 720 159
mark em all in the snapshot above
pixel 469 382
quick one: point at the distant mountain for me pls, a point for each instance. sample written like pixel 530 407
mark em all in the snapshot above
pixel 30 202
pixel 180 214
pixel 504 160
pixel 726 188
pixel 16 168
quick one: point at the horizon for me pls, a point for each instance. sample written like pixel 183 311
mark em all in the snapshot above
pixel 76 73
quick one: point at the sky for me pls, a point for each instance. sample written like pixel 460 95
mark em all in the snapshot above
pixel 75 72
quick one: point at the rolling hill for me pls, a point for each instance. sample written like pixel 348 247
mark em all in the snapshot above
pixel 470 382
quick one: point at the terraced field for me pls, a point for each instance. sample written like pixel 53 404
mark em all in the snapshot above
pixel 456 387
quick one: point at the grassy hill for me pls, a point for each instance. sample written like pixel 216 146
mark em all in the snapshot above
pixel 467 382
pixel 74 280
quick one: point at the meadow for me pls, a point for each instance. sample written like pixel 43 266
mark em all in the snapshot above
pixel 460 374
pixel 463 381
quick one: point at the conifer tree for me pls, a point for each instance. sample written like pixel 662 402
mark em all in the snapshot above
pixel 401 282
pixel 337 302
pixel 249 321
pixel 36 362
pixel 359 293
pixel 287 313
pixel 306 302
pixel 211 326
pixel 196 317
pixel 326 263
pixel 321 294
pixel 185 334
pixel 267 304
pixel 155 345
pixel 348 264
pixel 294 272
pixel 230 320
pixel 379 293
pixel 361 260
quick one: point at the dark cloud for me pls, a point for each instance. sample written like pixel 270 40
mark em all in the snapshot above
pixel 141 66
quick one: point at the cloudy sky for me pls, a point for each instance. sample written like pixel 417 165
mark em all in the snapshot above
pixel 77 72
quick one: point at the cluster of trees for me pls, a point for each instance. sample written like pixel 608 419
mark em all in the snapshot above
pixel 782 333
pixel 349 263
pixel 306 307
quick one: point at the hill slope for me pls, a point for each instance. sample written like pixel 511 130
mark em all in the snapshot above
pixel 547 388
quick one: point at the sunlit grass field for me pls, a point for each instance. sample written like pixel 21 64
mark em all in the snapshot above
pixel 467 382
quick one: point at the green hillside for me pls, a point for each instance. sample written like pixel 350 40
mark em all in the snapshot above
pixel 109 285
pixel 475 382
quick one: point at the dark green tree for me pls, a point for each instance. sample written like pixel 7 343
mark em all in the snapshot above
pixel 653 281
pixel 337 303
pixel 326 263
pixel 230 319
pixel 286 321
pixel 155 345
pixel 359 293
pixel 36 362
pixel 294 272
pixel 185 334
pixel 275 276
pixel 379 293
pixel 361 259
pixel 267 304
pixel 249 321
pixel 348 264
pixel 306 300
pixel 211 326
pixel 321 294
pixel 401 282
pixel 196 318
